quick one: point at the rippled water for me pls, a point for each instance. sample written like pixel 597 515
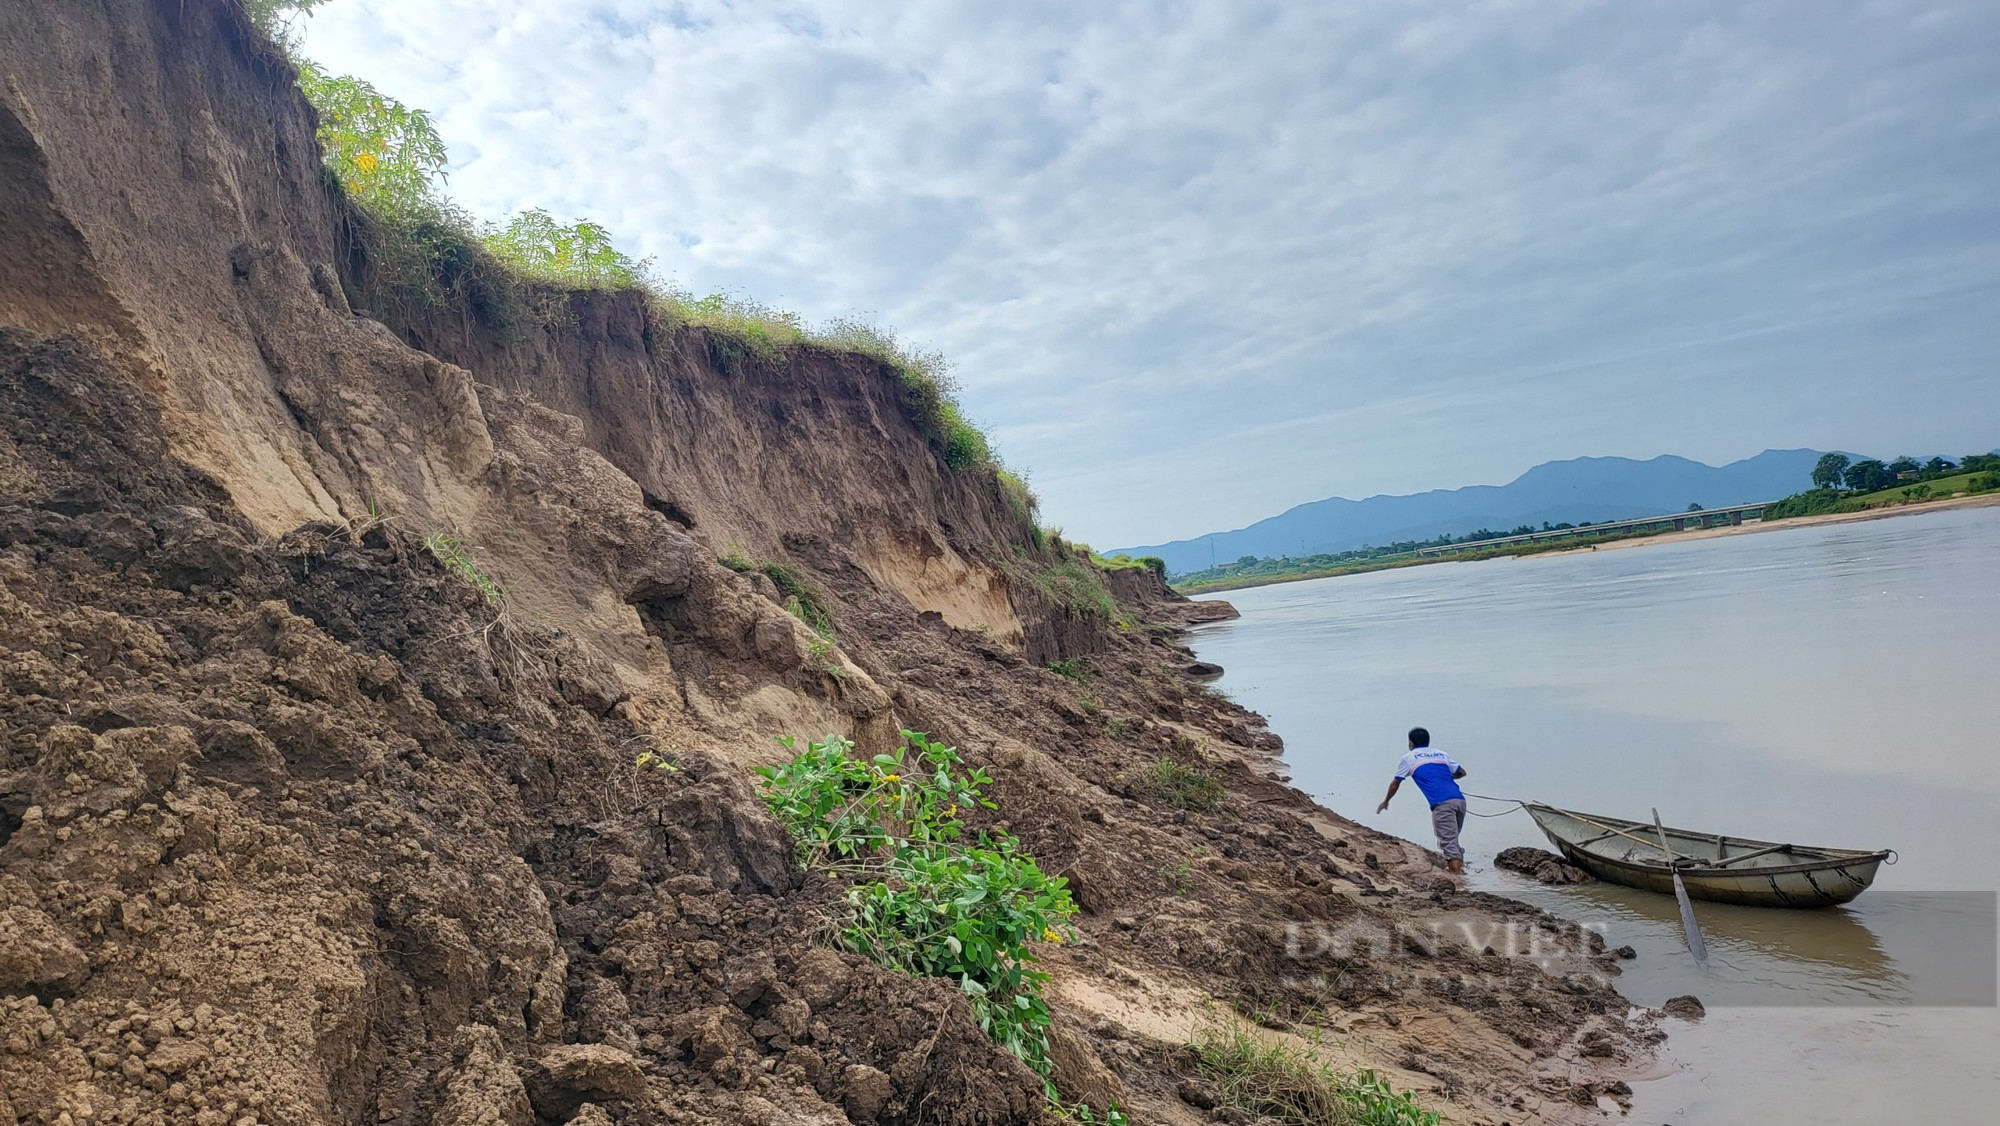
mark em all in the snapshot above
pixel 1836 685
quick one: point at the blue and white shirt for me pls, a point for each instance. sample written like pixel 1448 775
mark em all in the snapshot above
pixel 1432 769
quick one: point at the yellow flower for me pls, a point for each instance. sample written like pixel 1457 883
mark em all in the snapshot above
pixel 892 778
pixel 1049 935
pixel 366 161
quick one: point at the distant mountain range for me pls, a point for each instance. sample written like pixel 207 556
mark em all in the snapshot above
pixel 1555 492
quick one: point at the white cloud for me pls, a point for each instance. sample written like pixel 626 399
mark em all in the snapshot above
pixel 1198 262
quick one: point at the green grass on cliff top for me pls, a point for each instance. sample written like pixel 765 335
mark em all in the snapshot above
pixel 388 161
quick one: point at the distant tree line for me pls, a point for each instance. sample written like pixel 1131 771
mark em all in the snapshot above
pixel 1252 566
pixel 1842 484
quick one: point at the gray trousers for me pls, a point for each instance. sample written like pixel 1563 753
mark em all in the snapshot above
pixel 1448 817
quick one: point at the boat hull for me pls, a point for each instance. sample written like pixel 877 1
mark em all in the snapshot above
pixel 1829 877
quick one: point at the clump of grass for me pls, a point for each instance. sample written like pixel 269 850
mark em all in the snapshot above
pixel 1074 583
pixel 1183 785
pixel 1020 500
pixel 1289 1084
pixel 806 602
pixel 739 327
pixel 1180 876
pixel 1075 668
pixel 1122 562
pixel 803 599
pixel 450 550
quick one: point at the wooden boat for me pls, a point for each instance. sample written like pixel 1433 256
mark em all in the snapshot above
pixel 1712 866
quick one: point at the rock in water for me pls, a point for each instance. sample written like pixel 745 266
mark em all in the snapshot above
pixel 1688 1007
pixel 1544 866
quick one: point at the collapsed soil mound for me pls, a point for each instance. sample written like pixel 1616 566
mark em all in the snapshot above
pixel 1539 864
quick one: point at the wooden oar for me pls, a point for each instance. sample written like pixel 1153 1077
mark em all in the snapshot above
pixel 1689 929
pixel 1608 830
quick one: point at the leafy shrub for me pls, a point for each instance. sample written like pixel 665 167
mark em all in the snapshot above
pixel 382 152
pixel 579 256
pixel 1289 1084
pixel 1812 503
pixel 279 18
pixel 925 901
pixel 1154 564
pixel 383 159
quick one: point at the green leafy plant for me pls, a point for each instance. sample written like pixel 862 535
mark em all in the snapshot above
pixel 1290 1084
pixel 382 152
pixel 450 550
pixel 577 256
pixel 668 762
pixel 1180 876
pixel 925 900
pixel 279 18
pixel 820 652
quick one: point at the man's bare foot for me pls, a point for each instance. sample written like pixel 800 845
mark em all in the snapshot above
pixel 1455 867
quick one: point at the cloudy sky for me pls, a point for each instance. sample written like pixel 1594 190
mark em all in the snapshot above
pixel 1197 262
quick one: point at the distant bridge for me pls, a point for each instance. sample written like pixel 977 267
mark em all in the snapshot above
pixel 1705 518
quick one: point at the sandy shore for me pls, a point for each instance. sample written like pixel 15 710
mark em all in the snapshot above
pixel 1984 501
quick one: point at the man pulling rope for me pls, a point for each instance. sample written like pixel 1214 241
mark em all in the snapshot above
pixel 1437 776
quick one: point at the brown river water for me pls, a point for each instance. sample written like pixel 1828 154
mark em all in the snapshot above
pixel 1834 685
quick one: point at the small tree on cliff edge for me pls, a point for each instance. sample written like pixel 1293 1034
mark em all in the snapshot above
pixel 1828 471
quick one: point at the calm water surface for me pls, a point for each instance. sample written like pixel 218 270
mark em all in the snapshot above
pixel 1837 685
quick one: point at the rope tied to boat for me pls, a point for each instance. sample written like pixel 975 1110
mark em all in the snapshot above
pixel 1515 802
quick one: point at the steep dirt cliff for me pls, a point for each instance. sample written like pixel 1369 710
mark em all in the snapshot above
pixel 298 826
